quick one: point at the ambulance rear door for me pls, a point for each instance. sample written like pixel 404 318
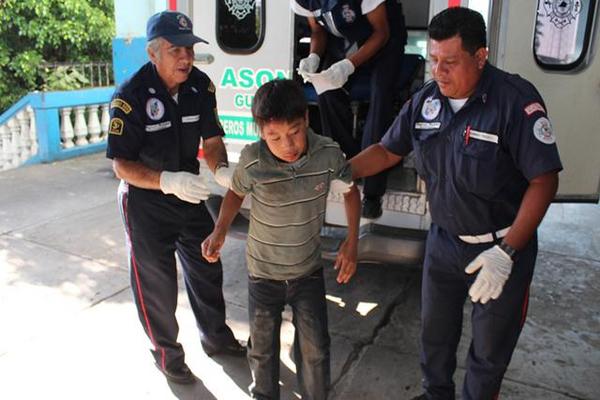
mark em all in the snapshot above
pixel 553 44
pixel 250 43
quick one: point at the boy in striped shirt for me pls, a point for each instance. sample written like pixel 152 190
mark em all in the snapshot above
pixel 287 174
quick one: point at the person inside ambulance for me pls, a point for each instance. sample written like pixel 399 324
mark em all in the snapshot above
pixel 485 148
pixel 348 39
pixel 158 118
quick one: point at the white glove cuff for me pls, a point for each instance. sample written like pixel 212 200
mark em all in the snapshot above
pixel 166 178
pixel 347 66
pixel 504 254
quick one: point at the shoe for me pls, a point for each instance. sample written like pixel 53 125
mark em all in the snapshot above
pixel 371 207
pixel 182 375
pixel 233 348
pixel 420 397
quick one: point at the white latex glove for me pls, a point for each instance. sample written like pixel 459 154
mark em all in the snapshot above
pixel 308 65
pixel 188 187
pixel 495 267
pixel 338 186
pixel 223 176
pixel 339 72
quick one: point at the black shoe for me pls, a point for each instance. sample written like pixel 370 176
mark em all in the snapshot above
pixel 371 207
pixel 234 348
pixel 420 397
pixel 182 375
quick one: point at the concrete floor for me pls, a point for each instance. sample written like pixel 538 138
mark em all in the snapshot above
pixel 70 330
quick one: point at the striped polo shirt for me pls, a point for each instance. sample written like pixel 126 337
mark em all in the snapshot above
pixel 288 205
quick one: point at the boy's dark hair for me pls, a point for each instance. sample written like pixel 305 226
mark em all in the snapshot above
pixel 467 23
pixel 279 100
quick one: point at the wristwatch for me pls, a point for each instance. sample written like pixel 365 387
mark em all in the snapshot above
pixel 508 249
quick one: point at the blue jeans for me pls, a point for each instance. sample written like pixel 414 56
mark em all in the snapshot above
pixel 267 299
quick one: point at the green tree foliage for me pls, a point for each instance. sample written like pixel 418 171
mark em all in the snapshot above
pixel 37 31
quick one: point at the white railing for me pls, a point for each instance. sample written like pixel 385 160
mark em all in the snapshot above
pixel 83 125
pixel 18 139
pixel 50 126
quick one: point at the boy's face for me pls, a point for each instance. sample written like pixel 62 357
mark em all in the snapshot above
pixel 286 140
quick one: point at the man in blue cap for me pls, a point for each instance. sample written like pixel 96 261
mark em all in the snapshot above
pixel 158 119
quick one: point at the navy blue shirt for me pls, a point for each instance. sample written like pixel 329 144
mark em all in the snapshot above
pixel 147 125
pixel 345 18
pixel 477 162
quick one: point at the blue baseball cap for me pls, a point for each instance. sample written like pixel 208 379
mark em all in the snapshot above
pixel 174 26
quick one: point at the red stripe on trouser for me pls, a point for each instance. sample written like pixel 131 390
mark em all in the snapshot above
pixel 525 306
pixel 139 287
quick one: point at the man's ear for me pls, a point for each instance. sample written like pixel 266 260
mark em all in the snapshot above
pixel 151 55
pixel 481 55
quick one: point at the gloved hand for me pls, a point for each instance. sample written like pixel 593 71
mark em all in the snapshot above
pixel 338 186
pixel 308 65
pixel 339 72
pixel 188 187
pixel 495 267
pixel 223 176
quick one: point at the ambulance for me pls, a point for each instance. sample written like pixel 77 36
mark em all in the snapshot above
pixel 552 43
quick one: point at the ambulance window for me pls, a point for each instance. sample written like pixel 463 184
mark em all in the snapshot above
pixel 240 25
pixel 562 33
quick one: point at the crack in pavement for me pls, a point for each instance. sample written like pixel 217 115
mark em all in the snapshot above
pixel 360 347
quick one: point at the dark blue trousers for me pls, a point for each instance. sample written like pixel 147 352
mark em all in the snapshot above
pixel 157 227
pixel 382 72
pixel 496 325
pixel 266 300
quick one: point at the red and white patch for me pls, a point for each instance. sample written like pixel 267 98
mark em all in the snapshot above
pixel 320 187
pixel 534 107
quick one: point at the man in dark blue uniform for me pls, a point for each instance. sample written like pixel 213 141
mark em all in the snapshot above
pixel 363 35
pixel 158 118
pixel 484 145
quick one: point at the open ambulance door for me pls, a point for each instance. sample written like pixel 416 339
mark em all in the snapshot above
pixel 553 44
pixel 250 43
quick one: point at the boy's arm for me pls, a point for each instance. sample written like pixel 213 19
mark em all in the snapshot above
pixel 211 246
pixel 347 254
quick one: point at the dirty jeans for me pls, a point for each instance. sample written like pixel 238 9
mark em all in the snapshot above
pixel 267 299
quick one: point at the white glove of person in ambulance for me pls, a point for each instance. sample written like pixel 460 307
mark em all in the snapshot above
pixel 188 187
pixel 338 73
pixel 223 176
pixel 495 267
pixel 308 65
pixel 338 186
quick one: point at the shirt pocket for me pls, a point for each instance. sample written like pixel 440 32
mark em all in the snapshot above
pixel 190 140
pixel 425 144
pixel 158 146
pixel 477 165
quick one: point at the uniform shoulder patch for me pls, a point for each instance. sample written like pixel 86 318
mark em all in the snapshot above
pixel 211 87
pixel 533 108
pixel 121 105
pixel 542 130
pixel 116 126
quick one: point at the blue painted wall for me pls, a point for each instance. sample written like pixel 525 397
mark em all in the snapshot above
pixel 128 56
pixel 129 46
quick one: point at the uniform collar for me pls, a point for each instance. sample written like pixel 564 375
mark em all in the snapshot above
pixel 485 81
pixel 157 83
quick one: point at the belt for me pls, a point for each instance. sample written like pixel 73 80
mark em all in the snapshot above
pixel 486 237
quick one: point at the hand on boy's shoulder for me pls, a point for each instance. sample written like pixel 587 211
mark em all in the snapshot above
pixel 338 186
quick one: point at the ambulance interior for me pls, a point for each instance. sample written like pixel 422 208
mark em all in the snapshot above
pixel 410 79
